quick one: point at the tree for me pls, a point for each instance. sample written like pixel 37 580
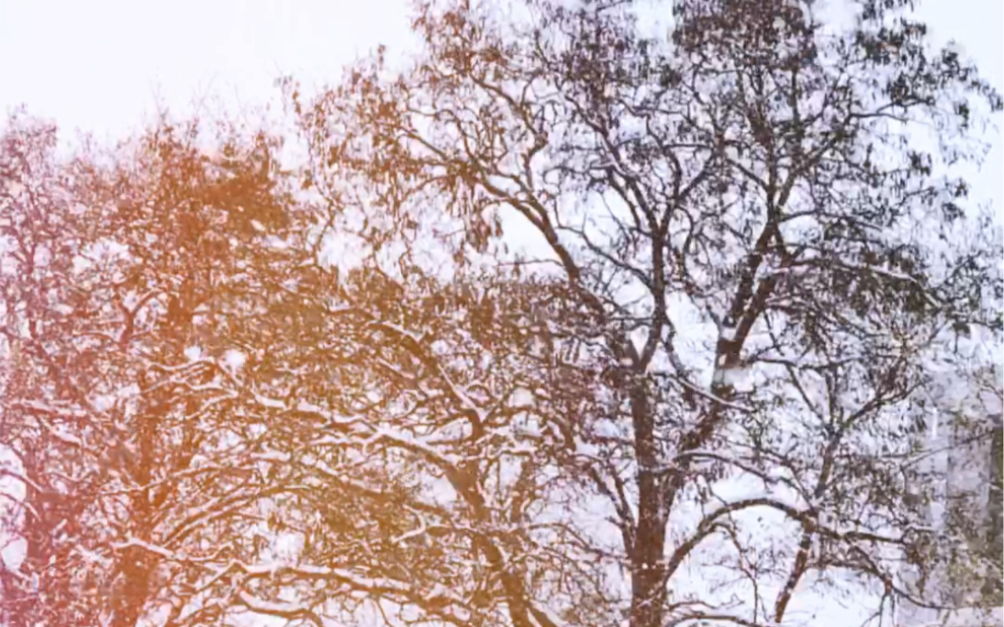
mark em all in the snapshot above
pixel 115 266
pixel 758 249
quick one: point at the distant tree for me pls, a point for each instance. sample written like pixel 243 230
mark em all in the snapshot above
pixel 962 454
pixel 116 265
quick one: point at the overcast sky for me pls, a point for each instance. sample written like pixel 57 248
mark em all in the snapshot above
pixel 102 65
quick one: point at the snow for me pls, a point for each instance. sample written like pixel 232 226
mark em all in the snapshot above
pixel 153 548
pixel 737 377
pixel 711 396
pixel 128 391
pixel 13 553
pixel 266 607
pixel 276 242
pixel 234 359
pixel 104 402
pixel 521 397
pixel 727 333
pixel 193 353
pixel 270 403
pixel 271 456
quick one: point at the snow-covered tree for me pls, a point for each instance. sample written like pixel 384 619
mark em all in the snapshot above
pixel 760 251
pixel 119 271
pixel 575 321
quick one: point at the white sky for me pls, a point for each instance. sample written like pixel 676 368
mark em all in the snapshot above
pixel 103 65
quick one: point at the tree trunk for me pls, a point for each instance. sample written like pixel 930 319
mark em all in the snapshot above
pixel 648 589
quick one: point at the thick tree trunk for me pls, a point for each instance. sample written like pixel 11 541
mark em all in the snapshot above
pixel 648 565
